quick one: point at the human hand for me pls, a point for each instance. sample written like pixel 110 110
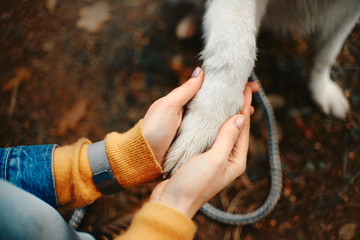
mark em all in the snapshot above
pixel 165 115
pixel 203 176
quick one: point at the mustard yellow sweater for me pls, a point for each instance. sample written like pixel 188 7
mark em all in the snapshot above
pixel 133 164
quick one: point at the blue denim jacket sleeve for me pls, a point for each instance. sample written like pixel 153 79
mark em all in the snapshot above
pixel 30 168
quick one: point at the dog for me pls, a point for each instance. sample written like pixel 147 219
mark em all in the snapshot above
pixel 230 28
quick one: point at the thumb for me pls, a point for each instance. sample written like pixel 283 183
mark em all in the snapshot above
pixel 228 135
pixel 181 95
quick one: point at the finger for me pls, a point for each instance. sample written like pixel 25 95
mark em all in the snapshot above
pixel 252 110
pixel 243 139
pixel 227 137
pixel 229 132
pixel 242 143
pixel 181 95
pixel 254 86
pixel 247 100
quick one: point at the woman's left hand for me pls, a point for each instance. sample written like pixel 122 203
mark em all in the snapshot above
pixel 165 115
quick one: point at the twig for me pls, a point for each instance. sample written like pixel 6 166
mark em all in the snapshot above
pixel 224 199
pixel 13 84
pixel 237 233
pixel 352 179
pixel 234 202
pixel 345 162
pixel 13 97
pixel 227 235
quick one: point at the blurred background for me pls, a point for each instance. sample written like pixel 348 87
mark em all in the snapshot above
pixel 72 69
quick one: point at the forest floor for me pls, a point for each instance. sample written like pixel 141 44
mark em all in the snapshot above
pixel 74 69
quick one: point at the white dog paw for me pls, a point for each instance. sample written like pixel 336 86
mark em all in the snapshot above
pixel 202 121
pixel 196 135
pixel 331 99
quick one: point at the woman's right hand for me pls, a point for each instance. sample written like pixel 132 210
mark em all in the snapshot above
pixel 203 176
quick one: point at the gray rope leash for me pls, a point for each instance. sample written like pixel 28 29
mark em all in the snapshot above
pixel 76 217
pixel 275 173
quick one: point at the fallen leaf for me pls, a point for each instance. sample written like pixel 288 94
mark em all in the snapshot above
pixel 347 231
pixel 256 147
pixel 177 65
pixel 311 166
pixel 188 26
pixel 13 84
pixel 72 117
pixel 93 17
pixel 287 191
pixel 50 5
pixel 301 45
pixel 249 237
pixel 22 75
pixel 301 125
pixel 224 199
pixel 277 101
pixel 272 223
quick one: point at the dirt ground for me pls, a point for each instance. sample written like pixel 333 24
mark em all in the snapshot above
pixel 69 71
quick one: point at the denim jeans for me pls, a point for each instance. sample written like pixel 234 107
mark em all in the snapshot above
pixel 30 168
pixel 28 195
pixel 24 216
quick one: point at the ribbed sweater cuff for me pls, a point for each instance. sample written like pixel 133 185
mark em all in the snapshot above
pixel 131 157
pixel 159 221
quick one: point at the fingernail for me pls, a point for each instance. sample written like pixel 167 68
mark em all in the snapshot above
pixel 239 122
pixel 196 72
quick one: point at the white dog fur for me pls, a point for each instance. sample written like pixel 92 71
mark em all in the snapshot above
pixel 230 28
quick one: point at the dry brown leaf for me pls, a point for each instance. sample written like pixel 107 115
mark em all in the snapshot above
pixel 178 66
pixel 72 117
pixel 277 101
pixel 224 198
pixel 237 232
pixel 92 18
pixel 301 45
pixel 347 231
pixel 177 63
pixel 22 75
pixel 246 180
pixel 235 201
pixel 13 84
pixel 187 27
pixel 50 5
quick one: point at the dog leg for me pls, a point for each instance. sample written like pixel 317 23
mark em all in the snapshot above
pixel 230 29
pixel 327 45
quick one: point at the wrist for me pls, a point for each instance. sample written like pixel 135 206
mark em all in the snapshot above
pixel 183 204
pixel 131 157
pixel 185 209
pixel 103 176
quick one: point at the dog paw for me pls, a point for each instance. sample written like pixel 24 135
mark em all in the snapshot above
pixel 331 99
pixel 195 136
pixel 202 120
